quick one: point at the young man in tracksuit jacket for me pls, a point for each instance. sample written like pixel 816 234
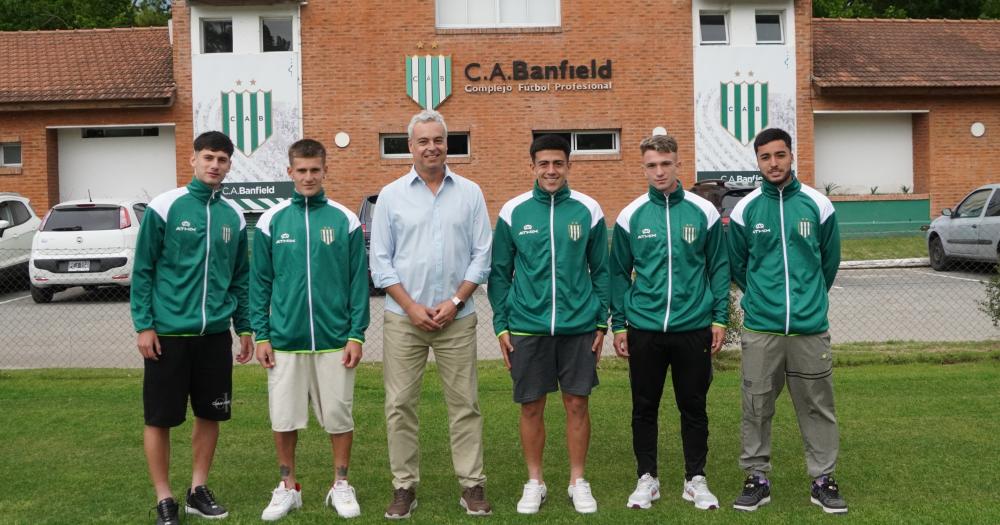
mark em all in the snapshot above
pixel 309 306
pixel 784 247
pixel 548 286
pixel 189 285
pixel 672 316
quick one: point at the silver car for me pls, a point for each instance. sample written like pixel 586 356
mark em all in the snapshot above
pixel 971 232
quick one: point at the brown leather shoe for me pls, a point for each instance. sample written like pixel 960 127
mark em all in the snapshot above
pixel 403 503
pixel 474 502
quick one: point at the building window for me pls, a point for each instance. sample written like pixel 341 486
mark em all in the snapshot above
pixel 769 28
pixel 497 13
pixel 217 36
pixel 714 27
pixel 114 133
pixel 10 154
pixel 394 146
pixel 276 34
pixel 590 142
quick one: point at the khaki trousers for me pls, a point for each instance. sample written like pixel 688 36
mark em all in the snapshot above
pixel 406 349
pixel 806 363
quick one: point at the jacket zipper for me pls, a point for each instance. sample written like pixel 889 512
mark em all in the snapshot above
pixel 552 249
pixel 670 265
pixel 309 295
pixel 208 251
pixel 784 256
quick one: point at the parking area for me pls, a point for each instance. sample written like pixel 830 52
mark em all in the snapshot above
pixel 92 329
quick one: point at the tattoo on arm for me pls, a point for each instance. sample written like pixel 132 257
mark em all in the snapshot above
pixel 284 471
pixel 342 471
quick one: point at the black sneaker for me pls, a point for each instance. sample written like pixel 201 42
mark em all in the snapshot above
pixel 826 494
pixel 202 503
pixel 166 512
pixel 756 493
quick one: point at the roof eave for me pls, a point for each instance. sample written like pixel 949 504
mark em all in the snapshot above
pixel 130 103
pixel 857 90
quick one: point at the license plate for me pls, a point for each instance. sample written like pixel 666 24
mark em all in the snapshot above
pixel 79 266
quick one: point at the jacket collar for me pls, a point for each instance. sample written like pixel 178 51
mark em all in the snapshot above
pixel 541 195
pixel 660 199
pixel 202 191
pixel 314 202
pixel 772 191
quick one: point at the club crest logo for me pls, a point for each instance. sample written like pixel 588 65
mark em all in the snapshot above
pixel 805 227
pixel 227 233
pixel 246 118
pixel 689 233
pixel 326 234
pixel 743 108
pixel 428 79
pixel 575 231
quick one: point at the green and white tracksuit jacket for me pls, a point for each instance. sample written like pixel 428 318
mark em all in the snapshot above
pixel 549 274
pixel 784 245
pixel 309 289
pixel 676 247
pixel 191 274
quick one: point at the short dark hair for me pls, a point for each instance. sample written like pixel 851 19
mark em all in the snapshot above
pixel 549 141
pixel 306 149
pixel 214 141
pixel 771 135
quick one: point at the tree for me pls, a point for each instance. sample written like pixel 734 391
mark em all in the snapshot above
pixel 906 8
pixel 26 15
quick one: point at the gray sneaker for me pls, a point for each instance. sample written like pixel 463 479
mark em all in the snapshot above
pixel 826 494
pixel 756 493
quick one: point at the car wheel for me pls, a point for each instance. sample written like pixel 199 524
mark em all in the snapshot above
pixel 41 295
pixel 939 261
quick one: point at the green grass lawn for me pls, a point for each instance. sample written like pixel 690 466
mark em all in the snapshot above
pixel 919 445
pixel 894 247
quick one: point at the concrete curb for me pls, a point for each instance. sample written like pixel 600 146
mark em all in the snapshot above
pixel 915 262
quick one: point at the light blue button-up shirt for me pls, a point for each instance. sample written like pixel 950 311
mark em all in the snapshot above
pixel 430 243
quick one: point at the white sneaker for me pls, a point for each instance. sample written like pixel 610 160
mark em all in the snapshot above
pixel 696 491
pixel 647 490
pixel 283 501
pixel 343 498
pixel 532 498
pixel 583 500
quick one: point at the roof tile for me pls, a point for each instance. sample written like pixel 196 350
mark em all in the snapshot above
pixel 86 65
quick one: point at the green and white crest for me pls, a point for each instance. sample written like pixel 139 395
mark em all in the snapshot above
pixel 743 109
pixel 326 233
pixel 690 233
pixel 575 231
pixel 428 79
pixel 805 227
pixel 227 234
pixel 246 119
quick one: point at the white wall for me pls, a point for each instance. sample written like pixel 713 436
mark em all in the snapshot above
pixel 860 151
pixel 246 25
pixel 127 167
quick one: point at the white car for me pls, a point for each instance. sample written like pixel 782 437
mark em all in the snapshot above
pixel 87 243
pixel 18 224
pixel 971 232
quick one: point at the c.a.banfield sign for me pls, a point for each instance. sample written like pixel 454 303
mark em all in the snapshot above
pixel 524 77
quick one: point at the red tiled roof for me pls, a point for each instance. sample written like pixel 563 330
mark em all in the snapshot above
pixel 906 53
pixel 130 64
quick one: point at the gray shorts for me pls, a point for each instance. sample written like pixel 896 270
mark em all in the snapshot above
pixel 541 364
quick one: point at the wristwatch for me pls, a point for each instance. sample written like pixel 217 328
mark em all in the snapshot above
pixel 458 302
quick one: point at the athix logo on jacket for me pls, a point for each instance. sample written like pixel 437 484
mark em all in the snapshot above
pixel 527 230
pixel 285 238
pixel 326 233
pixel 760 228
pixel 186 227
pixel 646 234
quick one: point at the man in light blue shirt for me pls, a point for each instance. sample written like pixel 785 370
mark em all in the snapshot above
pixel 430 250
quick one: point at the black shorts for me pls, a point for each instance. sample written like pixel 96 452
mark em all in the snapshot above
pixel 541 364
pixel 199 366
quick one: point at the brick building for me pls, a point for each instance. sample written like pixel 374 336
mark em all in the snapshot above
pixel 606 73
